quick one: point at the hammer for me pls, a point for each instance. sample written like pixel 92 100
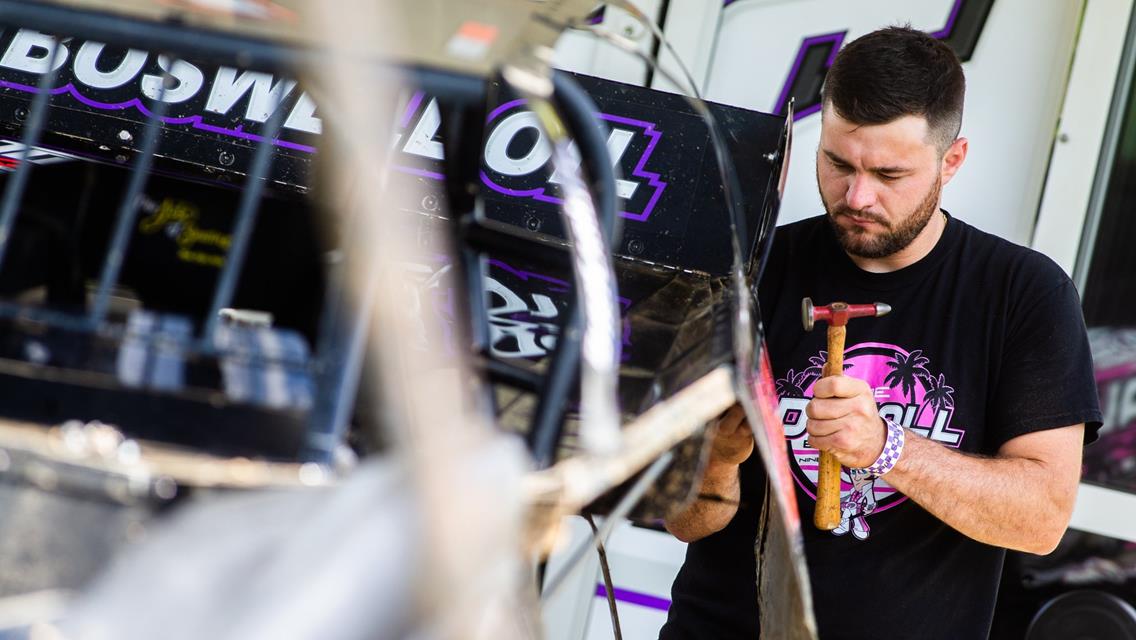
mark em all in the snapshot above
pixel 837 314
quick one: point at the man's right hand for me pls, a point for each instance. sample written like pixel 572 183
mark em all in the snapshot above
pixel 733 439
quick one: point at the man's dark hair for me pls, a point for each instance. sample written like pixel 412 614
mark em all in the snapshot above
pixel 896 72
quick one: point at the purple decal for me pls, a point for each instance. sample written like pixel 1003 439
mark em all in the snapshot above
pixel 635 597
pixel 502 108
pixel 945 32
pixel 195 121
pixel 640 171
pixel 411 108
pixel 560 286
pixel 423 173
pixel 837 40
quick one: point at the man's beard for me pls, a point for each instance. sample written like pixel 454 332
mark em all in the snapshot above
pixel 860 242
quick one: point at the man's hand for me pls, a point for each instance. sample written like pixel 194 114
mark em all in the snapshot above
pixel 733 440
pixel 844 420
pixel 733 444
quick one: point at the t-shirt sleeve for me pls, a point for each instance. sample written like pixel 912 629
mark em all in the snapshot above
pixel 1046 379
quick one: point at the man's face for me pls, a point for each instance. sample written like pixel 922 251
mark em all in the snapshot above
pixel 880 184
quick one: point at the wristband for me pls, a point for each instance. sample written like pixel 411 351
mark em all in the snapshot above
pixel 893 447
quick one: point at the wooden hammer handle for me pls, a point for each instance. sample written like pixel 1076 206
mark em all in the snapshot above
pixel 827 514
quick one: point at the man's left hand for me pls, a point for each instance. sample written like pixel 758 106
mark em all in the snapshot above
pixel 843 419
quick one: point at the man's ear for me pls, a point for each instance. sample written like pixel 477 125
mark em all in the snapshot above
pixel 953 159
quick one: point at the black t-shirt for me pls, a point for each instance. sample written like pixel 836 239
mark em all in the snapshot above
pixel 985 342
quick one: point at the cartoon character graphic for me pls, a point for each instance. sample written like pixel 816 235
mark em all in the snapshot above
pixel 857 505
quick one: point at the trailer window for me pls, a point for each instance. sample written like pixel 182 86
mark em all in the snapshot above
pixel 1109 301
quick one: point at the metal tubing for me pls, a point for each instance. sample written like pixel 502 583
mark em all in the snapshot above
pixel 578 110
pixel 547 426
pixel 622 508
pixel 593 272
pixel 243 229
pixel 37 120
pixel 128 207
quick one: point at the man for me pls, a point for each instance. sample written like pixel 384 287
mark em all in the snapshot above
pixel 983 368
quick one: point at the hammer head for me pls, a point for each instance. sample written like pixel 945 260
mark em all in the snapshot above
pixel 838 313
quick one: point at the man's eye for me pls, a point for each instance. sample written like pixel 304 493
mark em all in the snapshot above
pixel 888 178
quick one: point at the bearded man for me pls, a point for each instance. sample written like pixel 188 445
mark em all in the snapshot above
pixel 982 374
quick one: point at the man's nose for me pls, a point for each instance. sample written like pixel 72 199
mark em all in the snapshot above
pixel 861 193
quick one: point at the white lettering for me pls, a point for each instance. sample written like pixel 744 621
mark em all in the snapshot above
pixel 545 308
pixel 531 339
pixel 617 142
pixel 303 116
pixel 30 50
pixel 187 78
pixel 792 412
pixel 421 141
pixel 229 88
pixel 893 411
pixel 1126 404
pixel 939 430
pixel 86 67
pixel 909 413
pixel 497 155
pixel 1111 404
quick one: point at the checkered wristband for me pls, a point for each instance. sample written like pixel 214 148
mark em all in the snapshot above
pixel 893 447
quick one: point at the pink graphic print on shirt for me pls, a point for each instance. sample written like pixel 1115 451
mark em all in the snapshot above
pixel 907 391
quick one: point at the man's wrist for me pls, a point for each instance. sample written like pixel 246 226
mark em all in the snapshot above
pixel 894 440
pixel 721 470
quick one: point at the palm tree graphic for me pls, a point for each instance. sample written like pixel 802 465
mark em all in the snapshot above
pixel 816 370
pixel 905 370
pixel 939 395
pixel 793 384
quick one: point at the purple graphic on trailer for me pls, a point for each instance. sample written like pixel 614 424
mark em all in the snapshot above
pixel 524 312
pixel 516 159
pixel 798 76
pixel 194 121
pixel 541 193
pixel 523 308
pixel 907 390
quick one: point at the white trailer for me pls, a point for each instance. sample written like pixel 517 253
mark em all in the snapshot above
pixel 1052 157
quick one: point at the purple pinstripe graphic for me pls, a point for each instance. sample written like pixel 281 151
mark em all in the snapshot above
pixel 195 121
pixel 837 38
pixel 639 171
pixel 411 108
pixel 502 108
pixel 424 173
pixel 562 285
pixel 635 597
pixel 946 31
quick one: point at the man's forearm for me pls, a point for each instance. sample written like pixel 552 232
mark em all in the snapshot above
pixel 711 513
pixel 1014 502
